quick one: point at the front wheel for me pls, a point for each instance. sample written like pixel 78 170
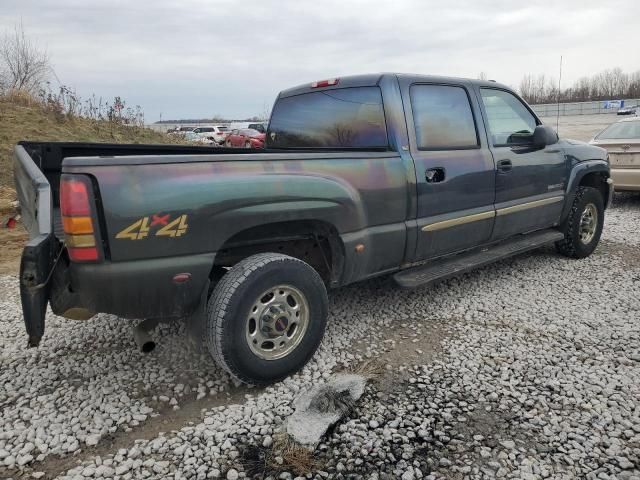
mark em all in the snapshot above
pixel 266 317
pixel 583 226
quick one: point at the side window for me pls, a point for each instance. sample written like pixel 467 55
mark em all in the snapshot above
pixel 442 117
pixel 509 121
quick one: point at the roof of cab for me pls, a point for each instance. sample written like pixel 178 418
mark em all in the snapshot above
pixel 372 79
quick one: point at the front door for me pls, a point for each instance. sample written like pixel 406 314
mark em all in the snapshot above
pixel 455 174
pixel 529 181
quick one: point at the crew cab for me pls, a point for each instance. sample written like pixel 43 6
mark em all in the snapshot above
pixel 421 177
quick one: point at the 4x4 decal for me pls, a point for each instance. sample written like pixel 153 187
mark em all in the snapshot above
pixel 142 228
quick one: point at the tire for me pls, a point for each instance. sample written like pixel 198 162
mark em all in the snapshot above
pixel 238 313
pixel 576 243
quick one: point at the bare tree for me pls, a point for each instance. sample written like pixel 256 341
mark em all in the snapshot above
pixel 482 76
pixel 606 85
pixel 23 64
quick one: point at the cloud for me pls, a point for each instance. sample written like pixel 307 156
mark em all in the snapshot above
pixel 195 58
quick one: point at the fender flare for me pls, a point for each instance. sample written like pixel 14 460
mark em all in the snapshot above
pixel 577 173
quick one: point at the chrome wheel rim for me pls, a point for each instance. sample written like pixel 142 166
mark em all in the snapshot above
pixel 277 322
pixel 588 223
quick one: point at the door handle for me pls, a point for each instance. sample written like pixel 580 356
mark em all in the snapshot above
pixel 434 175
pixel 504 166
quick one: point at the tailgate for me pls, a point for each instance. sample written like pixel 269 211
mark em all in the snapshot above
pixel 34 194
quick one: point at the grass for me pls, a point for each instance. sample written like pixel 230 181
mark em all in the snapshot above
pixel 295 457
pixel 23 117
pixel 371 369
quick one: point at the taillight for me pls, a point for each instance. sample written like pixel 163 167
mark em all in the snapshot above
pixel 325 83
pixel 75 206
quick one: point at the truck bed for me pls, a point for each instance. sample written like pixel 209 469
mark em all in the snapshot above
pixel 48 158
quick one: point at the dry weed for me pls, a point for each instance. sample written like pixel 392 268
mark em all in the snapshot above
pixel 296 458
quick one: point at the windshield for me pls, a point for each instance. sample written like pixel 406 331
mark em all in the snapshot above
pixel 222 129
pixel 342 118
pixel 621 130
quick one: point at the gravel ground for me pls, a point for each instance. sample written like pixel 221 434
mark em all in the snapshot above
pixel 529 368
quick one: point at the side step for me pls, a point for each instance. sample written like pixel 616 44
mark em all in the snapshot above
pixel 463 262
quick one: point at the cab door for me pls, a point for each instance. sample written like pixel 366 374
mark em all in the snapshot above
pixel 455 174
pixel 530 182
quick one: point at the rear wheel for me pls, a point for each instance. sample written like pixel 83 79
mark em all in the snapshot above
pixel 266 317
pixel 583 226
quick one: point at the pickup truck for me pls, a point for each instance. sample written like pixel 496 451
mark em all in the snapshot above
pixel 421 177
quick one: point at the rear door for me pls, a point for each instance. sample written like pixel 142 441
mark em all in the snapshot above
pixel 529 181
pixel 455 174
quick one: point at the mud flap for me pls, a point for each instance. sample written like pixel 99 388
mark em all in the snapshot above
pixel 197 320
pixel 38 258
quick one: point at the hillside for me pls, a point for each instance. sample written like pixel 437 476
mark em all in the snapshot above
pixel 23 118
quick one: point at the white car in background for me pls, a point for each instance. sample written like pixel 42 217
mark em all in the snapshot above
pixel 214 133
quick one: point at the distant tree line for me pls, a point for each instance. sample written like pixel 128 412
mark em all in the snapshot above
pixel 214 119
pixel 611 84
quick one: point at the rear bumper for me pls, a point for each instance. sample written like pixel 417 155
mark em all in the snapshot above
pixel 136 289
pixel 626 179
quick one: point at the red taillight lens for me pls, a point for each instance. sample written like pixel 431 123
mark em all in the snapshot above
pixel 83 254
pixel 77 222
pixel 74 197
pixel 325 83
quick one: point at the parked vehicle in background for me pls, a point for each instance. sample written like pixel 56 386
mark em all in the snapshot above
pixel 245 138
pixel 191 137
pixel 215 133
pixel 417 176
pixel 629 110
pixel 259 126
pixel 622 141
pixel 181 131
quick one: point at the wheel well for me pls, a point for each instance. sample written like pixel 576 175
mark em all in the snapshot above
pixel 314 242
pixel 597 180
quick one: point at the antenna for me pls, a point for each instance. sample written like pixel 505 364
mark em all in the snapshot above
pixel 558 97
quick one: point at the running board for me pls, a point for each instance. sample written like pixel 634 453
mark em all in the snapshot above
pixel 463 262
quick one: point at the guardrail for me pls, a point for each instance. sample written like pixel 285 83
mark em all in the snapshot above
pixel 580 108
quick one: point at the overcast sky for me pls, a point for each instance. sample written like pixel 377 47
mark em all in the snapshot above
pixel 197 58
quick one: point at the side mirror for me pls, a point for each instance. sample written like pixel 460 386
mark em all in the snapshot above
pixel 544 135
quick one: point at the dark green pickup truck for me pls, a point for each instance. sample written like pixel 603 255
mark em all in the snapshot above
pixel 423 177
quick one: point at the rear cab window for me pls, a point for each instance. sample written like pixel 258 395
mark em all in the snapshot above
pixel 337 118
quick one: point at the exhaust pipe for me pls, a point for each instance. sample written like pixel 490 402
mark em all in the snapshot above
pixel 141 335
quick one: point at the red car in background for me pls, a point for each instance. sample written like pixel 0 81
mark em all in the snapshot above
pixel 246 138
